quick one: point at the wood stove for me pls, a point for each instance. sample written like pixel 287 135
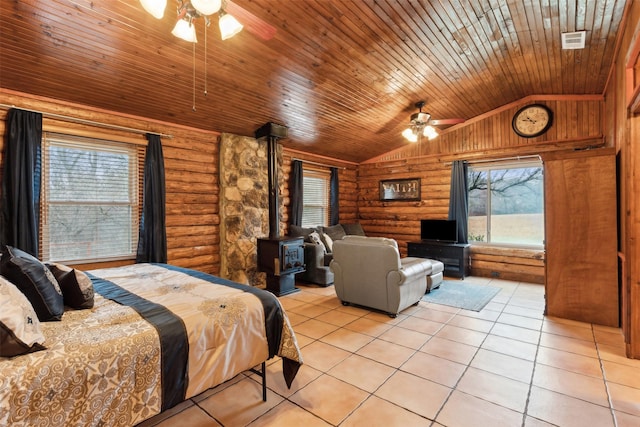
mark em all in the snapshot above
pixel 280 257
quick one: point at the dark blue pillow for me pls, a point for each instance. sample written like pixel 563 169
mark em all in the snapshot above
pixel 35 281
pixel 76 286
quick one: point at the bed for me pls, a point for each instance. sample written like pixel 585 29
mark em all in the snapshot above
pixel 156 334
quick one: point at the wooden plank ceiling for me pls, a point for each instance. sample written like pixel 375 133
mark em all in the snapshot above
pixel 343 75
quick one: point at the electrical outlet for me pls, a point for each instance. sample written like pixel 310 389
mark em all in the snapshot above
pixel 495 274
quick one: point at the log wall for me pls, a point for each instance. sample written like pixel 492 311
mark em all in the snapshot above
pixel 578 124
pixel 347 178
pixel 191 172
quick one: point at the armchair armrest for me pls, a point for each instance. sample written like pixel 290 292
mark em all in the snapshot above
pixel 411 269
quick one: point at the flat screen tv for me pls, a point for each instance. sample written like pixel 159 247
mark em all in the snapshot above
pixel 441 230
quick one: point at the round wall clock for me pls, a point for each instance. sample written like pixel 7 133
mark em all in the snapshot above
pixel 532 120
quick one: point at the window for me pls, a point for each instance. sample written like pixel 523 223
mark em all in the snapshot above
pixel 506 204
pixel 90 199
pixel 315 198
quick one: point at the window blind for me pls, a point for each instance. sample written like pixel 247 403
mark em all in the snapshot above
pixel 315 198
pixel 90 199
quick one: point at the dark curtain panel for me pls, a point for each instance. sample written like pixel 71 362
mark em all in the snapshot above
pixel 459 199
pixel 296 192
pixel 334 196
pixel 21 181
pixel 152 241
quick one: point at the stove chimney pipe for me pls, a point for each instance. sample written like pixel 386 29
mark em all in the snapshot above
pixel 272 131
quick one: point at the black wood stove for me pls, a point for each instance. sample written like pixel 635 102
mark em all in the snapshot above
pixel 281 257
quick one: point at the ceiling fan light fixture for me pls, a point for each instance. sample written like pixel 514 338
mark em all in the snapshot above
pixel 430 132
pixel 410 134
pixel 229 26
pixel 185 30
pixel 206 7
pixel 154 7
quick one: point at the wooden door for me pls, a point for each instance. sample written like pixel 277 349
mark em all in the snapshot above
pixel 581 278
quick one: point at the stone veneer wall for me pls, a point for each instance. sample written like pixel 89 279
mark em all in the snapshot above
pixel 244 205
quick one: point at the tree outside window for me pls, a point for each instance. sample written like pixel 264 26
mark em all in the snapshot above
pixel 506 204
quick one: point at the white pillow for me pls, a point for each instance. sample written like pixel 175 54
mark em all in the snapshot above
pixel 19 325
pixel 328 242
pixel 315 238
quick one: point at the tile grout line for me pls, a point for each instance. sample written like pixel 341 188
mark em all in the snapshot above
pixel 533 373
pixel 604 378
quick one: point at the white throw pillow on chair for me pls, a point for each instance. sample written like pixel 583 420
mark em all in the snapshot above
pixel 315 238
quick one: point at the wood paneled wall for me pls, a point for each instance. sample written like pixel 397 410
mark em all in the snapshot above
pixel 626 133
pixel 577 124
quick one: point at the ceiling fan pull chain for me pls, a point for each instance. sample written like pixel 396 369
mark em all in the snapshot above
pixel 193 107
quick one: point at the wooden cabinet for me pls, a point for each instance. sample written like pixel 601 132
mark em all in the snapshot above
pixel 454 256
pixel 581 272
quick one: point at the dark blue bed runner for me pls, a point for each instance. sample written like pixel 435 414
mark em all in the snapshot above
pixel 174 343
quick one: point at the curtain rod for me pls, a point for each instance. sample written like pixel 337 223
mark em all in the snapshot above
pixel 88 122
pixel 319 164
pixel 533 156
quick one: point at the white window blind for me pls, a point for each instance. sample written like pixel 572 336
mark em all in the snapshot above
pixel 90 205
pixel 315 198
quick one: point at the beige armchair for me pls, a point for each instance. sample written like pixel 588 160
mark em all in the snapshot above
pixel 369 271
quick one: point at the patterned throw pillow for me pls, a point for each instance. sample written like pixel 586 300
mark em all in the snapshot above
pixel 315 238
pixel 19 325
pixel 328 242
pixel 34 280
pixel 77 288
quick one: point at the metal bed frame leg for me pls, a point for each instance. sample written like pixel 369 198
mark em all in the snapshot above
pixel 264 381
pixel 263 375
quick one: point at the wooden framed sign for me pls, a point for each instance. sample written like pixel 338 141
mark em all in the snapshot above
pixel 400 189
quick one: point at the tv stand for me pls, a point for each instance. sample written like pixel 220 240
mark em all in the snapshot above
pixel 456 257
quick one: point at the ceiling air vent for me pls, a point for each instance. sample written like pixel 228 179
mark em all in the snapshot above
pixel 573 40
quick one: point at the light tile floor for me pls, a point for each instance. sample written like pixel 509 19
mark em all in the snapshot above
pixel 433 365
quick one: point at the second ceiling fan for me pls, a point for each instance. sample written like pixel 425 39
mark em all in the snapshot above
pixel 421 124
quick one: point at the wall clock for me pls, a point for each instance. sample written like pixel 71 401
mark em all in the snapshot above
pixel 532 120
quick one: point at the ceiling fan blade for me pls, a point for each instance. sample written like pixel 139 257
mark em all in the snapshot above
pixel 252 23
pixel 446 122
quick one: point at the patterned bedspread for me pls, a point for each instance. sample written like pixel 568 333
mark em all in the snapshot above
pixel 104 366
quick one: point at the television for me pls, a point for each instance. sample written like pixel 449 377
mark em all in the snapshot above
pixel 439 230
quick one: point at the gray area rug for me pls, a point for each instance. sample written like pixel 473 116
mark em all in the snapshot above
pixel 461 295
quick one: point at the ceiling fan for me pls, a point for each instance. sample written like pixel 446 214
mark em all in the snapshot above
pixel 233 18
pixel 421 124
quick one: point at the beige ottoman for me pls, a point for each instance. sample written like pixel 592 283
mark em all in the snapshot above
pixel 435 277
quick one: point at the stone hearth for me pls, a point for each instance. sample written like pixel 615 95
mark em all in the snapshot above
pixel 244 206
